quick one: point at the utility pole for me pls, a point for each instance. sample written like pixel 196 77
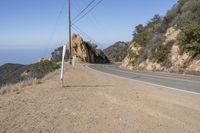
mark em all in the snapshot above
pixel 64 48
pixel 70 45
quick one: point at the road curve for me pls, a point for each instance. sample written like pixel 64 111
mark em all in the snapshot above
pixel 188 83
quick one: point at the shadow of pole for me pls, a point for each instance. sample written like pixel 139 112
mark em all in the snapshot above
pixel 78 86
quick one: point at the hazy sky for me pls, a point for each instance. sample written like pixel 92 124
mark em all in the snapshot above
pixel 31 24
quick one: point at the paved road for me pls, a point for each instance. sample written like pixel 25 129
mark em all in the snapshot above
pixel 178 81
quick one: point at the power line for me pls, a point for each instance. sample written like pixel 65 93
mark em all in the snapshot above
pixel 79 17
pixel 84 10
pixel 76 28
pixel 82 32
pixel 88 12
pixel 90 19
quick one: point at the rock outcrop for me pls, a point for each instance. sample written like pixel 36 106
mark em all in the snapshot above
pixel 42 59
pixel 171 34
pixel 194 67
pixel 128 60
pixel 87 52
pixel 81 49
pixel 84 52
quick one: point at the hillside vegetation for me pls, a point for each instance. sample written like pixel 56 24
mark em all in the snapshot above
pixel 14 73
pixel 170 43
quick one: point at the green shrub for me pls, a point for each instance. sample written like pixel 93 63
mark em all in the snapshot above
pixel 140 35
pixel 40 69
pixel 194 48
pixel 190 38
pixel 188 11
pixel 160 53
pixel 14 73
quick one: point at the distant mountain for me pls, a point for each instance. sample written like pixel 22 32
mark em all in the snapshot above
pixel 116 52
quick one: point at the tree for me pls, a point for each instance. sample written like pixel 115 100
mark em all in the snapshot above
pixel 140 35
pixel 156 19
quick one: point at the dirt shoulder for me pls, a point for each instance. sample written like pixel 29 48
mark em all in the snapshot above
pixel 93 102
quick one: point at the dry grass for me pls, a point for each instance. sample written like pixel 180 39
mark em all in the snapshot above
pixel 19 86
pixel 50 75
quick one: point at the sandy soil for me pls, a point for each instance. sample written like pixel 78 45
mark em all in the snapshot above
pixel 92 102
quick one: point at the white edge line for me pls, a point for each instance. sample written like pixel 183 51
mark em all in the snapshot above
pixel 147 83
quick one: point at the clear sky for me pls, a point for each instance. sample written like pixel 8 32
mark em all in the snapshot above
pixel 36 24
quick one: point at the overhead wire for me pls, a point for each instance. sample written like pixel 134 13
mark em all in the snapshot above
pixel 91 9
pixel 77 16
pixel 80 31
pixel 81 15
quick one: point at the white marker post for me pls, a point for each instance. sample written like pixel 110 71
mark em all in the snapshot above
pixel 62 67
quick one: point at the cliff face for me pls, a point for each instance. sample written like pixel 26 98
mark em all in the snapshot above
pixel 117 51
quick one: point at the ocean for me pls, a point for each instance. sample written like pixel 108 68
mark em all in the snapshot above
pixel 23 56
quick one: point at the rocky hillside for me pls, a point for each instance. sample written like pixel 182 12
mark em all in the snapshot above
pixel 116 52
pixel 169 43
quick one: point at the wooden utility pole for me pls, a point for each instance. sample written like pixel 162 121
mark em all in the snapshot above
pixel 64 48
pixel 70 45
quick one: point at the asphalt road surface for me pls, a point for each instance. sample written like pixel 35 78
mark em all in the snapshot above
pixel 182 82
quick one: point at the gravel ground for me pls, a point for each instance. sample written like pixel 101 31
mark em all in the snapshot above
pixel 93 102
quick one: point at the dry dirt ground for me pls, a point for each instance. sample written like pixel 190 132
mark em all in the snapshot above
pixel 92 102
